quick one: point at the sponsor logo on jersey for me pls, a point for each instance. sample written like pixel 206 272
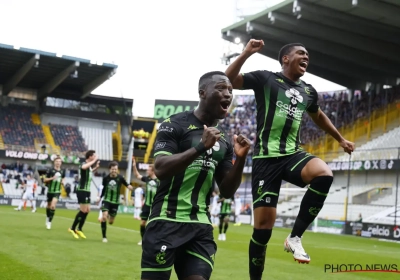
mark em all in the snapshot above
pixel 289 111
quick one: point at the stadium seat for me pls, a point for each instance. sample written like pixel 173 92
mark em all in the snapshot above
pixel 19 130
pixel 68 138
pixel 382 147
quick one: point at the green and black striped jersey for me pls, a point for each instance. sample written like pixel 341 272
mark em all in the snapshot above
pixel 185 197
pixel 85 180
pixel 281 104
pixel 226 206
pixel 151 189
pixel 112 188
pixel 54 186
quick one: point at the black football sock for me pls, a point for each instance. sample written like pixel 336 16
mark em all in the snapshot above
pixel 48 212
pixel 257 252
pixel 220 227
pixel 226 227
pixel 311 204
pixel 104 229
pixel 82 221
pixel 142 230
pixel 78 218
pixel 51 216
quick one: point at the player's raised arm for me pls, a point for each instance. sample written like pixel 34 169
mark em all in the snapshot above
pixel 169 161
pixel 135 171
pixel 233 70
pixel 125 183
pixel 229 177
pixel 90 163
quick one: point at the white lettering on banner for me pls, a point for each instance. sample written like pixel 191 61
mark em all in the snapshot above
pixel 379 231
pixel 143 166
pixel 3 201
pixel 26 155
pixel 247 169
pixel 396 232
pixel 360 165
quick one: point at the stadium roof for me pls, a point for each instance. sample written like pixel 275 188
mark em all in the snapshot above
pixel 348 44
pixel 50 73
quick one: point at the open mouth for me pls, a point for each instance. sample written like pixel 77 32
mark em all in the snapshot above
pixel 303 66
pixel 225 105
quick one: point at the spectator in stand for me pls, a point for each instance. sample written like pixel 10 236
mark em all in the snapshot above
pixel 336 105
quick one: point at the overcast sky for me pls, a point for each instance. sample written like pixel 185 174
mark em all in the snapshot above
pixel 161 47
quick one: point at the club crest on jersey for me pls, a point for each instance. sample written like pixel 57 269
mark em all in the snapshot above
pixel 294 96
pixel 216 148
pixel 112 185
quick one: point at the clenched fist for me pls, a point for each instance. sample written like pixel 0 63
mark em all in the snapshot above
pixel 241 145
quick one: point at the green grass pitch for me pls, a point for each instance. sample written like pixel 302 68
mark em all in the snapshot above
pixel 29 251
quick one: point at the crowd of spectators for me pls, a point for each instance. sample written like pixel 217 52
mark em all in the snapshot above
pixel 340 108
pixel 69 138
pixel 16 126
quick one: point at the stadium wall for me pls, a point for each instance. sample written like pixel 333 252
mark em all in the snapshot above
pixel 80 114
pixel 78 121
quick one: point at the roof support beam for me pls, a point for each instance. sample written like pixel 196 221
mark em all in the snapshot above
pixel 88 88
pixel 380 8
pixel 339 66
pixel 57 80
pixel 20 74
pixel 344 21
pixel 332 49
pixel 338 36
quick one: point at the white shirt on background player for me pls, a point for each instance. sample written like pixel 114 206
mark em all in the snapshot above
pixel 138 197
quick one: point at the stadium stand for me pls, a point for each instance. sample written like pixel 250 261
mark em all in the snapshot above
pixel 334 207
pixel 336 105
pixel 68 138
pixel 12 174
pixel 373 149
pixel 19 131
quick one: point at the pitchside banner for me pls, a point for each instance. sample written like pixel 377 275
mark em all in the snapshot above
pixel 365 165
pixel 36 156
pixel 362 165
pixel 381 231
pixel 163 109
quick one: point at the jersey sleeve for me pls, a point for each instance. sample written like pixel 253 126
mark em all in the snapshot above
pixel 48 173
pixel 123 181
pixel 255 80
pixel 168 137
pixel 314 107
pixel 226 164
pixel 63 174
pixel 145 179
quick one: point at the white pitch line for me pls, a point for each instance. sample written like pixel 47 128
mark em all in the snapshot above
pixel 61 217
